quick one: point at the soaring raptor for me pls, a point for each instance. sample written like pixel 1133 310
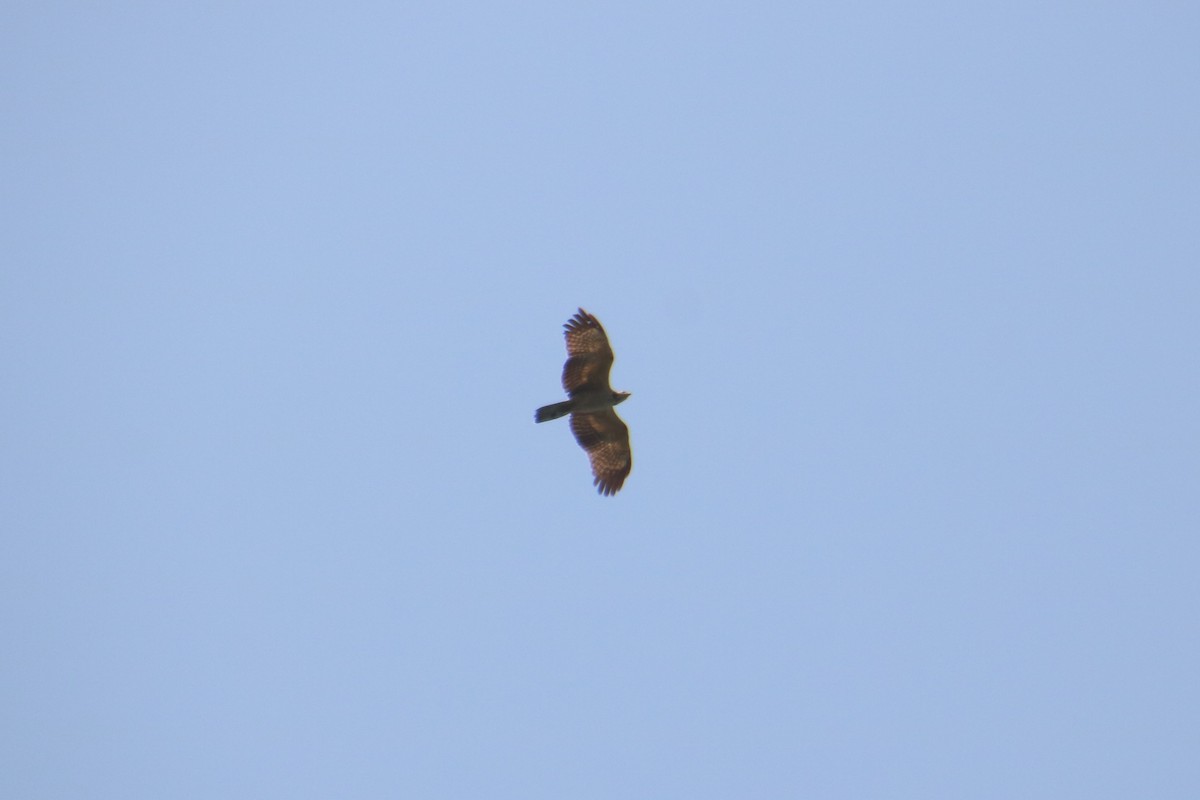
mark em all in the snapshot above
pixel 596 426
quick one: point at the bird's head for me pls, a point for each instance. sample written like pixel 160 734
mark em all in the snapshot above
pixel 620 397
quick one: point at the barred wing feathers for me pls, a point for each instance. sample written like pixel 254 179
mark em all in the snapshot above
pixel 589 356
pixel 605 438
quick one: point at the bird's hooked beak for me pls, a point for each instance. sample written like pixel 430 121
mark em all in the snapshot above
pixel 620 397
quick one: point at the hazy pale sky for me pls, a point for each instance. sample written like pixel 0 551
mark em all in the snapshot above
pixel 907 296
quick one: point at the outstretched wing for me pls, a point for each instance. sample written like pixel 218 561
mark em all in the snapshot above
pixel 589 356
pixel 606 439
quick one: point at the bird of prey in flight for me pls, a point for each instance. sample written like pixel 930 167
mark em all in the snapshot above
pixel 597 428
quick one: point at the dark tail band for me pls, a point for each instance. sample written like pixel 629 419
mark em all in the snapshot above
pixel 552 411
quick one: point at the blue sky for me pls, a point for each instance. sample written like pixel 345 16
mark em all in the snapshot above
pixel 907 298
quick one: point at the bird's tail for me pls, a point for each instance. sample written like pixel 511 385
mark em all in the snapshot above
pixel 552 411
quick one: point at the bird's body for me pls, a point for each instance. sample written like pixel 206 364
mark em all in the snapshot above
pixel 597 428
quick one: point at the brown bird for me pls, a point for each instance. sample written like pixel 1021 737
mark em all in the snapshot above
pixel 597 428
